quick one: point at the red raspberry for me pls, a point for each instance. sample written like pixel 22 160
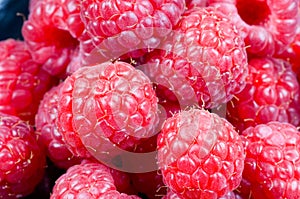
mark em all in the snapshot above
pixel 195 3
pixel 22 159
pixel 271 24
pixel 22 81
pixel 128 27
pixel 49 135
pixel 271 94
pixel 171 195
pixel 272 164
pixel 108 102
pixel 201 63
pixel 87 180
pixel 292 53
pixel 31 4
pixel 200 155
pixel 229 195
pixel 52 32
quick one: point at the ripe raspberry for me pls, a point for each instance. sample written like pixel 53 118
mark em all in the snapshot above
pixel 171 195
pixel 52 32
pixel 271 24
pixel 272 164
pixel 292 53
pixel 49 135
pixel 22 159
pixel 271 94
pixel 22 81
pixel 108 102
pixel 31 4
pixel 129 27
pixel 201 63
pixel 229 195
pixel 195 3
pixel 87 180
pixel 200 155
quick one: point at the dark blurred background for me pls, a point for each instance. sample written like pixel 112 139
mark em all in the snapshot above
pixel 12 13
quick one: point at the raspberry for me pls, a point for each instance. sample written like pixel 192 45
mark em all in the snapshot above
pixel 201 63
pixel 111 102
pixel 229 195
pixel 195 3
pixel 272 164
pixel 87 180
pixel 128 27
pixel 271 24
pixel 271 94
pixel 200 154
pixel 22 159
pixel 171 195
pixel 49 135
pixel 292 53
pixel 53 41
pixel 22 81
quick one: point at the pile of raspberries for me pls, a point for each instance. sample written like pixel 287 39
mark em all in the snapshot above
pixel 152 99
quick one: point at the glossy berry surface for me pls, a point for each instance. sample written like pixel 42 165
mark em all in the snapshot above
pixel 53 41
pixel 200 155
pixel 49 135
pixel 22 159
pixel 131 27
pixel 149 99
pixel 203 62
pixel 22 80
pixel 271 94
pixel 272 164
pixel 109 100
pixel 271 25
pixel 87 180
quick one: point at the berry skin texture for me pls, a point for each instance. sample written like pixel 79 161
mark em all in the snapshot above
pixel 22 159
pixel 49 135
pixel 200 155
pixel 229 195
pixel 271 94
pixel 195 3
pixel 111 102
pixel 127 28
pixel 52 33
pixel 292 53
pixel 271 24
pixel 87 180
pixel 200 63
pixel 22 80
pixel 272 164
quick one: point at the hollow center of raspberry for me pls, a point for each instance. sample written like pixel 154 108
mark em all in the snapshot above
pixel 61 38
pixel 253 12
